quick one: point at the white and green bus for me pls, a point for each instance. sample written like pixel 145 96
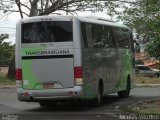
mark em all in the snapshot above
pixel 63 57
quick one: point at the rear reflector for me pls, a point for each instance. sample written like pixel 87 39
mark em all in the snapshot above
pixel 78 75
pixel 18 74
pixel 78 72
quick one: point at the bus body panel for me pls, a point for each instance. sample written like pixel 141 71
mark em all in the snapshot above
pixel 38 72
pixel 50 94
pixel 126 69
pixel 18 45
pixel 45 65
pixel 77 43
pixel 111 65
pixel 112 69
pixel 99 64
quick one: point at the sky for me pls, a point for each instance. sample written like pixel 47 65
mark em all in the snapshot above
pixel 8 25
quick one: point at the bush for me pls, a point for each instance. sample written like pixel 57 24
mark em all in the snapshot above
pixel 5 81
pixel 139 62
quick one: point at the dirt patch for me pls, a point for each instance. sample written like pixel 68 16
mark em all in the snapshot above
pixel 3 70
pixel 148 107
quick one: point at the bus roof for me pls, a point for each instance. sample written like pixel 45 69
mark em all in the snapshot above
pixel 47 18
pixel 98 20
pixel 95 20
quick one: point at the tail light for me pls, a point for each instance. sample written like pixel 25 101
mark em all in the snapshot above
pixel 19 74
pixel 78 75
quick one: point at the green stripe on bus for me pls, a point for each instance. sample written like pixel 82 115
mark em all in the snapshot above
pixel 126 68
pixel 29 79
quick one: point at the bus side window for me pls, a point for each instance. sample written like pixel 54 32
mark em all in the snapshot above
pixel 95 35
pixel 115 36
pixel 84 35
pixel 102 37
pixel 87 35
pixel 131 42
pixel 110 43
pixel 122 38
pixel 99 38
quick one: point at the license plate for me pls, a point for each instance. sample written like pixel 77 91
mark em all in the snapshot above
pixel 48 85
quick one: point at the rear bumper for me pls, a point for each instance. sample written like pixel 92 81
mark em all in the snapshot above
pixel 50 94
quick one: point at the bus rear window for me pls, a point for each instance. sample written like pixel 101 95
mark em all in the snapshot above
pixel 47 31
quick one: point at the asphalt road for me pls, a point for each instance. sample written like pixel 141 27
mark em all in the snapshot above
pixel 111 109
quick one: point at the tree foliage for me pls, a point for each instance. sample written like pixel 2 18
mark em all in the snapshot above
pixel 6 50
pixel 143 17
pixel 153 48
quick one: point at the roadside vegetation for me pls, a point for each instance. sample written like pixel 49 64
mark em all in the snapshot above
pixel 5 81
pixel 146 80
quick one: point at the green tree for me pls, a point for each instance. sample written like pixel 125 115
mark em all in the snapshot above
pixel 6 50
pixel 153 49
pixel 143 16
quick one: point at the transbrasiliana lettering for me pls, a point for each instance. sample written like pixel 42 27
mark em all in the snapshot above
pixel 51 52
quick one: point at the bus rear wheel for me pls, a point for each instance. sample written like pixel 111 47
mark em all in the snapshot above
pixel 125 93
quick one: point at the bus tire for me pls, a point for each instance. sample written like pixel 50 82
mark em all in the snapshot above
pixel 125 93
pixel 99 94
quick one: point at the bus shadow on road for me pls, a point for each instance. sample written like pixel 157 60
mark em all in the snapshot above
pixel 79 106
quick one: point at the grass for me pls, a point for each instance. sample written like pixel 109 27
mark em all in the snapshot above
pixel 146 80
pixel 5 81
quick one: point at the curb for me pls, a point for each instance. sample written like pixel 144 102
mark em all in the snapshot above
pixel 7 86
pixel 147 85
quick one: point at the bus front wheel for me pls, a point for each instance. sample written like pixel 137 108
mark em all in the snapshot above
pixel 99 94
pixel 125 93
